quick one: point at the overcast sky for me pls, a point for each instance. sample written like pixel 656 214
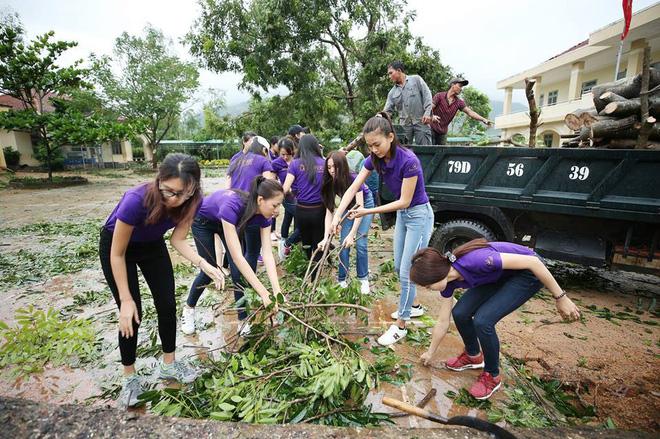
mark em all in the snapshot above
pixel 486 40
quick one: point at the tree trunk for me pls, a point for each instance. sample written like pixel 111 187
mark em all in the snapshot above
pixel 579 118
pixel 647 122
pixel 573 122
pixel 625 88
pixel 609 96
pixel 628 107
pixel 154 160
pixel 588 117
pixel 533 111
pixel 609 128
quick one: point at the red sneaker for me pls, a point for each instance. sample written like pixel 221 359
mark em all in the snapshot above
pixel 485 386
pixel 464 361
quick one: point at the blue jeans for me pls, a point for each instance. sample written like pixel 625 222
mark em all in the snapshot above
pixel 289 214
pixel 480 308
pixel 412 232
pixel 203 231
pixel 362 261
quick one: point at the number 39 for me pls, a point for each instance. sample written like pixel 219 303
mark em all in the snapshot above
pixel 579 173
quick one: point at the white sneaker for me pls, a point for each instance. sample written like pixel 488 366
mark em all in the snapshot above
pixel 245 330
pixel 188 320
pixel 392 335
pixel 414 312
pixel 364 286
pixel 343 284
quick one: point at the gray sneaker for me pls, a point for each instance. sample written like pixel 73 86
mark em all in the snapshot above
pixel 177 371
pixel 130 391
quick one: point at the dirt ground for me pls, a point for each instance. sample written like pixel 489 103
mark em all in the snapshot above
pixel 614 363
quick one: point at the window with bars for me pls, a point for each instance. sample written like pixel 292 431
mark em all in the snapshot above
pixel 116 147
pixel 541 100
pixel 588 85
pixel 547 140
pixel 552 97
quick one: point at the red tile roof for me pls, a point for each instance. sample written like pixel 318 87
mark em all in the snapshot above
pixel 15 104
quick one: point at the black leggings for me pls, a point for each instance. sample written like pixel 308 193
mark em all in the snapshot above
pixel 310 219
pixel 154 261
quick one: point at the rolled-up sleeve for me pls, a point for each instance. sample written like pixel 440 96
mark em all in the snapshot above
pixel 389 104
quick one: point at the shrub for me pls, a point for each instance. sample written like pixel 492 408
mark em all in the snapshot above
pixel 12 156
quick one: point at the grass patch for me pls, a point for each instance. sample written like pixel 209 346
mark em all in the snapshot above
pixel 39 183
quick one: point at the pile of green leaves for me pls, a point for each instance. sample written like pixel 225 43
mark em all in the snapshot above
pixel 301 370
pixel 74 247
pixel 42 337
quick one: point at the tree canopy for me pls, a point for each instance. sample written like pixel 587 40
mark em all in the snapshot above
pixel 150 84
pixel 58 107
pixel 332 57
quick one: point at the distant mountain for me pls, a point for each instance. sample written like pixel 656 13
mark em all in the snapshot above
pixel 497 107
pixel 235 109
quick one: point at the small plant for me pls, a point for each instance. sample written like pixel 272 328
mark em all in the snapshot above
pixel 41 337
pixel 464 398
pixel 582 362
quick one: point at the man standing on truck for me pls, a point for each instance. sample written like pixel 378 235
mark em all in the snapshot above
pixel 411 98
pixel 445 104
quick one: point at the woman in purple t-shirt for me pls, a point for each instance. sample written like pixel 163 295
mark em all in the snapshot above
pixel 229 213
pixel 499 277
pixel 132 237
pixel 241 174
pixel 281 169
pixel 305 177
pixel 400 170
pixel 337 178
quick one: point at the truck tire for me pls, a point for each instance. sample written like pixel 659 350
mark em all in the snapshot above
pixel 447 236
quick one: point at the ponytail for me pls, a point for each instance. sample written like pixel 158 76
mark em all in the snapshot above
pixel 261 187
pixel 430 266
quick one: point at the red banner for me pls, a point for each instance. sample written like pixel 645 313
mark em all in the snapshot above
pixel 627 15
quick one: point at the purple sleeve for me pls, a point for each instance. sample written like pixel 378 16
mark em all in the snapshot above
pixel 436 99
pixel 368 164
pixel 293 168
pixel 448 292
pixel 411 167
pixel 461 104
pixel 130 210
pixel 267 166
pixel 263 222
pixel 230 212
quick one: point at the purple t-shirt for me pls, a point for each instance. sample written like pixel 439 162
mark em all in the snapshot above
pixel 227 205
pixel 364 188
pixel 235 156
pixel 308 193
pixel 280 167
pixel 250 166
pixel 484 265
pixel 273 156
pixel 404 164
pixel 131 210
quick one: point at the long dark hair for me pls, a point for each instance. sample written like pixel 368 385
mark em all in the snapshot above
pixel 181 166
pixel 381 121
pixel 239 164
pixel 337 186
pixel 430 266
pixel 308 150
pixel 261 186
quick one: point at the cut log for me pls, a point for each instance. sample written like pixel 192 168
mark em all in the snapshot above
pixel 588 117
pixel 625 88
pixel 609 96
pixel 621 144
pixel 608 128
pixel 573 122
pixel 645 105
pixel 631 106
pixel 576 120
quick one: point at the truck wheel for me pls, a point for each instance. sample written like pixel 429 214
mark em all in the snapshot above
pixel 447 236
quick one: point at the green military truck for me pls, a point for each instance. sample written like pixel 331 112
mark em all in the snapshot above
pixel 597 207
